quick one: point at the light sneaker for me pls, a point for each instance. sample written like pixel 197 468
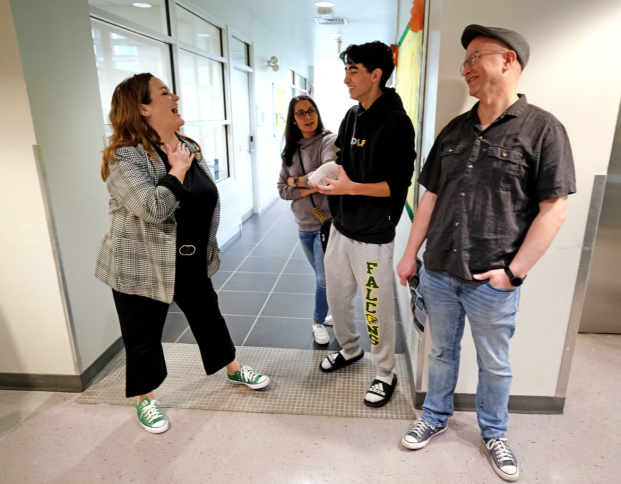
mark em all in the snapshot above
pixel 420 435
pixel 503 459
pixel 328 321
pixel 151 417
pixel 321 334
pixel 249 378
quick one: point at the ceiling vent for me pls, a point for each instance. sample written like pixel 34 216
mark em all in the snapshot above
pixel 330 21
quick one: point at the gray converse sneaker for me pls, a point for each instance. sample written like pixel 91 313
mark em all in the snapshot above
pixel 420 435
pixel 503 459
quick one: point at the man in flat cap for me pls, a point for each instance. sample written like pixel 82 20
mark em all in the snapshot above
pixel 497 180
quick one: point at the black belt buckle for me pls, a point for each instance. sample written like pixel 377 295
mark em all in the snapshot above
pixel 187 250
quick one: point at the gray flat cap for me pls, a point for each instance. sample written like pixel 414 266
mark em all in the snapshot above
pixel 514 40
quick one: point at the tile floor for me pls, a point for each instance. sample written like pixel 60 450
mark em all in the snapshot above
pixel 266 290
pixel 62 442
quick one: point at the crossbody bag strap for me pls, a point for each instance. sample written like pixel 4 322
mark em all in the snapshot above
pixel 304 171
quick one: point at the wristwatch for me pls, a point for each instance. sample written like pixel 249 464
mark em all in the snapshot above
pixel 515 281
pixel 295 180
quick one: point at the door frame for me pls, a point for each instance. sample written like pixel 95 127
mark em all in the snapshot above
pixel 252 109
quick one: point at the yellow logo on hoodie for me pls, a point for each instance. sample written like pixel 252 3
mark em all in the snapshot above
pixel 358 142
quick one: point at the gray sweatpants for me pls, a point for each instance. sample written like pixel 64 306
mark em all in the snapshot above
pixel 350 264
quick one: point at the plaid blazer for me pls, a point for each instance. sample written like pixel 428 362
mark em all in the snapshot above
pixel 137 256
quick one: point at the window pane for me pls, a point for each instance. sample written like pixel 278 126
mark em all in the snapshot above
pixel 240 52
pixel 152 14
pixel 196 31
pixel 212 140
pixel 202 90
pixel 121 54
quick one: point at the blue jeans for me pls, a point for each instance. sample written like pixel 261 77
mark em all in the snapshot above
pixel 491 314
pixel 311 243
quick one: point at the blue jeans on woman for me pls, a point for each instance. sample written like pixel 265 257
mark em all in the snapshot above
pixel 491 314
pixel 311 243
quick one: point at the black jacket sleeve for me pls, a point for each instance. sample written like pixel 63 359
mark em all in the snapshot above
pixel 400 162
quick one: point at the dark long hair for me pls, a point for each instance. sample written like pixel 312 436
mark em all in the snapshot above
pixel 128 126
pixel 293 133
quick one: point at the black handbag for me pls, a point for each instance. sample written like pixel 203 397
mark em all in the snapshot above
pixel 318 213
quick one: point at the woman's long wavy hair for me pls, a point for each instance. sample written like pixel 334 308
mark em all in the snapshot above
pixel 128 126
pixel 293 133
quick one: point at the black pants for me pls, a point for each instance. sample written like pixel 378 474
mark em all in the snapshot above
pixel 142 323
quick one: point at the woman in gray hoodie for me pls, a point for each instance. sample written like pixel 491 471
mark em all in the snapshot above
pixel 306 137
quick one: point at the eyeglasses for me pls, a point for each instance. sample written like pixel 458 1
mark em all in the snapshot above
pixel 302 114
pixel 474 58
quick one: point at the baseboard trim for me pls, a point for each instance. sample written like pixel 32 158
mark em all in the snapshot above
pixel 231 240
pixel 269 203
pixel 93 371
pixel 465 402
pixel 247 215
pixel 61 383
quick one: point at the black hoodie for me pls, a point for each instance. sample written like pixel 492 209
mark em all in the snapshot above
pixel 375 145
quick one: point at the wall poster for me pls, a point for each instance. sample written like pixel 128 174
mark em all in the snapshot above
pixel 408 56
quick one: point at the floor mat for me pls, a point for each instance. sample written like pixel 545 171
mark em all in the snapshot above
pixel 297 386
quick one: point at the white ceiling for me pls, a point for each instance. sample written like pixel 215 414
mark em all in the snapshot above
pixel 291 22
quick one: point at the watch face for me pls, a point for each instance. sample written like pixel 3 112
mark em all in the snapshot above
pixel 516 281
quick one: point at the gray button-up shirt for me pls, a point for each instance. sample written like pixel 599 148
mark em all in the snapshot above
pixel 489 185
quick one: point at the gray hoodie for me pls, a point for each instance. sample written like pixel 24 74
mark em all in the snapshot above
pixel 316 151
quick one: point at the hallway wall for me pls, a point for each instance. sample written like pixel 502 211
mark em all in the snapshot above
pixel 571 75
pixel 33 331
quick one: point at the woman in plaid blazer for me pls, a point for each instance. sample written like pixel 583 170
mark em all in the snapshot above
pixel 164 215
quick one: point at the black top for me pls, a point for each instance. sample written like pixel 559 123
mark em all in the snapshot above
pixel 198 197
pixel 376 145
pixel 489 186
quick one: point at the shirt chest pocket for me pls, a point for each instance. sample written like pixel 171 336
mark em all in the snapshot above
pixel 452 162
pixel 505 166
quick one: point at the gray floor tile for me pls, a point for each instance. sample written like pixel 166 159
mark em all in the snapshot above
pixel 271 250
pixel 241 303
pixel 298 253
pixel 240 248
pixel 263 264
pixel 290 305
pixel 230 262
pixel 239 327
pixel 176 324
pixel 250 237
pixel 281 333
pixel 299 266
pixel 280 239
pixel 243 281
pixel 219 278
pixel 285 229
pixel 296 283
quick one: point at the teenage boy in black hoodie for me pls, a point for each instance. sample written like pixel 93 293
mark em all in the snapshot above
pixel 376 158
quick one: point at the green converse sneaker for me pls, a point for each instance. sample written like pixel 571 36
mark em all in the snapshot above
pixel 249 378
pixel 151 417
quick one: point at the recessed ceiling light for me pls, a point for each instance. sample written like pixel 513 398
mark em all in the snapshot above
pixel 334 35
pixel 203 35
pixel 142 5
pixel 324 4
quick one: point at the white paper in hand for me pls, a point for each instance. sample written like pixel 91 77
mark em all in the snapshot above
pixel 330 170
